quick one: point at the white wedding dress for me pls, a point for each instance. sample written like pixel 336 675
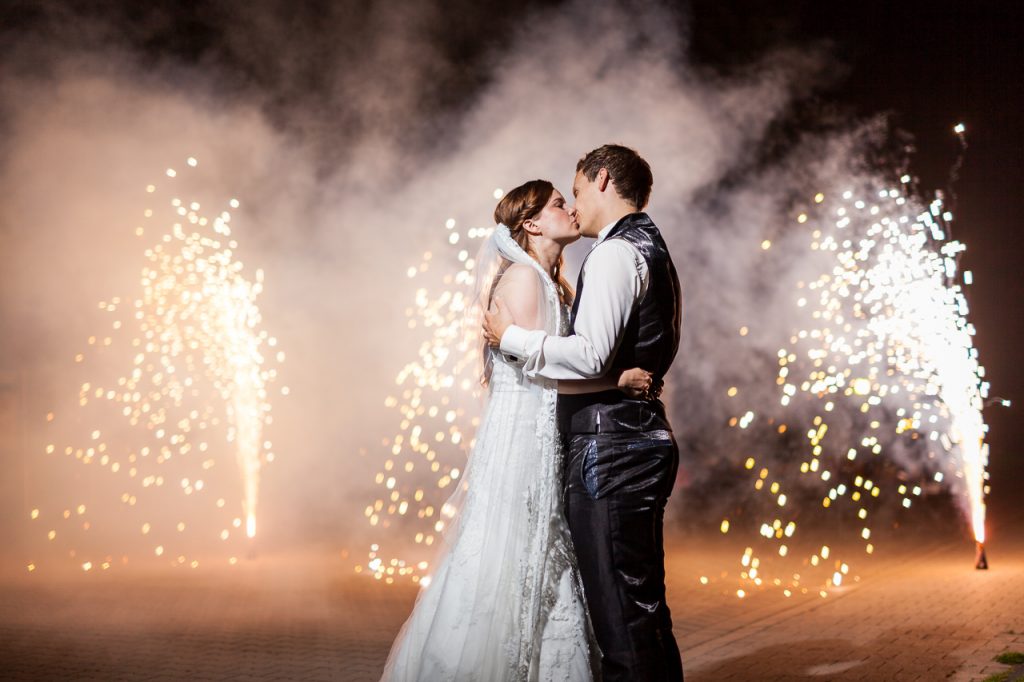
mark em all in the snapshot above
pixel 505 600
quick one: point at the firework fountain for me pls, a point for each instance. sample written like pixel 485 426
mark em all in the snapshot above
pixel 197 388
pixel 437 400
pixel 882 347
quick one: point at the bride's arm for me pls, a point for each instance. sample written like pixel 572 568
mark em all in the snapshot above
pixel 519 291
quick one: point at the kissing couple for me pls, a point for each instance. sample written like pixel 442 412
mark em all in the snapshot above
pixel 553 567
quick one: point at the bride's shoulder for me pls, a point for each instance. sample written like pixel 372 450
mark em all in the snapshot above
pixel 521 270
pixel 520 275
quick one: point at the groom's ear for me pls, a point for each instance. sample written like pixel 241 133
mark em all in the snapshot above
pixel 602 179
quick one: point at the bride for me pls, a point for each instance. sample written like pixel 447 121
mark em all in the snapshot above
pixel 505 601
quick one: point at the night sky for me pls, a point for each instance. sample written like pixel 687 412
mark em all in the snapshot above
pixel 927 65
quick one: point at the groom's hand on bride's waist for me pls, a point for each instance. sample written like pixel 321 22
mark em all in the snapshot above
pixel 496 321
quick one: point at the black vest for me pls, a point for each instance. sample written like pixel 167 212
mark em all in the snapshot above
pixel 650 341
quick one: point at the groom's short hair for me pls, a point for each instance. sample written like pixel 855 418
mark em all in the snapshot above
pixel 630 173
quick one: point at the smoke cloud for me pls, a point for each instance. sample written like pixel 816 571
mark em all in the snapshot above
pixel 350 133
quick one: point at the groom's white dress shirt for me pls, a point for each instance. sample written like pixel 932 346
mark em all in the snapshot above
pixel 616 279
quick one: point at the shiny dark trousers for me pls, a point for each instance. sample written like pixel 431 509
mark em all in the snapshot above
pixel 617 485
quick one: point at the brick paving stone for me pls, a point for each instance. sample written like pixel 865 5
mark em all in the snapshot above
pixel 941 620
pixel 918 616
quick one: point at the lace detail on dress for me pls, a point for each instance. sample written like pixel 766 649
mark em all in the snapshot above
pixel 505 601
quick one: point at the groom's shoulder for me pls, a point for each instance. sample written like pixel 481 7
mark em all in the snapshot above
pixel 644 220
pixel 637 221
pixel 637 225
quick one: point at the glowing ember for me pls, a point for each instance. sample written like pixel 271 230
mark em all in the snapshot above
pixel 196 386
pixel 883 342
pixel 437 401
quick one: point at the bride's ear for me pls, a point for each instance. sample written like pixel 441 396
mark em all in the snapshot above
pixel 531 227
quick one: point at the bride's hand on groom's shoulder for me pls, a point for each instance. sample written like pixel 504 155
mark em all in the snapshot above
pixel 496 321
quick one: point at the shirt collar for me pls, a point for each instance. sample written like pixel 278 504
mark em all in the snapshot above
pixel 604 232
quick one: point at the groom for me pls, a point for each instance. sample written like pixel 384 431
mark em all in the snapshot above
pixel 621 456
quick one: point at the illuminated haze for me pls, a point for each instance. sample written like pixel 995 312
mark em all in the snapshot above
pixel 349 137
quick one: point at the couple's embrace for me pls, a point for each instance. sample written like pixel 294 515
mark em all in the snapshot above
pixel 553 566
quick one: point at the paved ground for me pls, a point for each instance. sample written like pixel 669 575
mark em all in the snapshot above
pixel 921 614
pixel 918 616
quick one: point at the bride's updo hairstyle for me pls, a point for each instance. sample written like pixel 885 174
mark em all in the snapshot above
pixel 521 204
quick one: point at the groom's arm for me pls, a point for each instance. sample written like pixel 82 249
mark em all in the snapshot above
pixel 616 278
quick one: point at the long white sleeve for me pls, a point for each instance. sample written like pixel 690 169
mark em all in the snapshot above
pixel 616 278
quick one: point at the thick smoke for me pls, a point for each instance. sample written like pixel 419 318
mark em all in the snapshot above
pixel 350 134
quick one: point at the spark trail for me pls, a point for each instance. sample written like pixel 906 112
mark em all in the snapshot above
pixel 195 394
pixel 437 401
pixel 883 347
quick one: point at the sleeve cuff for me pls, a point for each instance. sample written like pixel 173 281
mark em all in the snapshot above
pixel 523 347
pixel 513 342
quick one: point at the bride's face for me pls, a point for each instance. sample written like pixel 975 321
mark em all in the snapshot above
pixel 557 221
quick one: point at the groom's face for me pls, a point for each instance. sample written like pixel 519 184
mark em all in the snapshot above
pixel 585 196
